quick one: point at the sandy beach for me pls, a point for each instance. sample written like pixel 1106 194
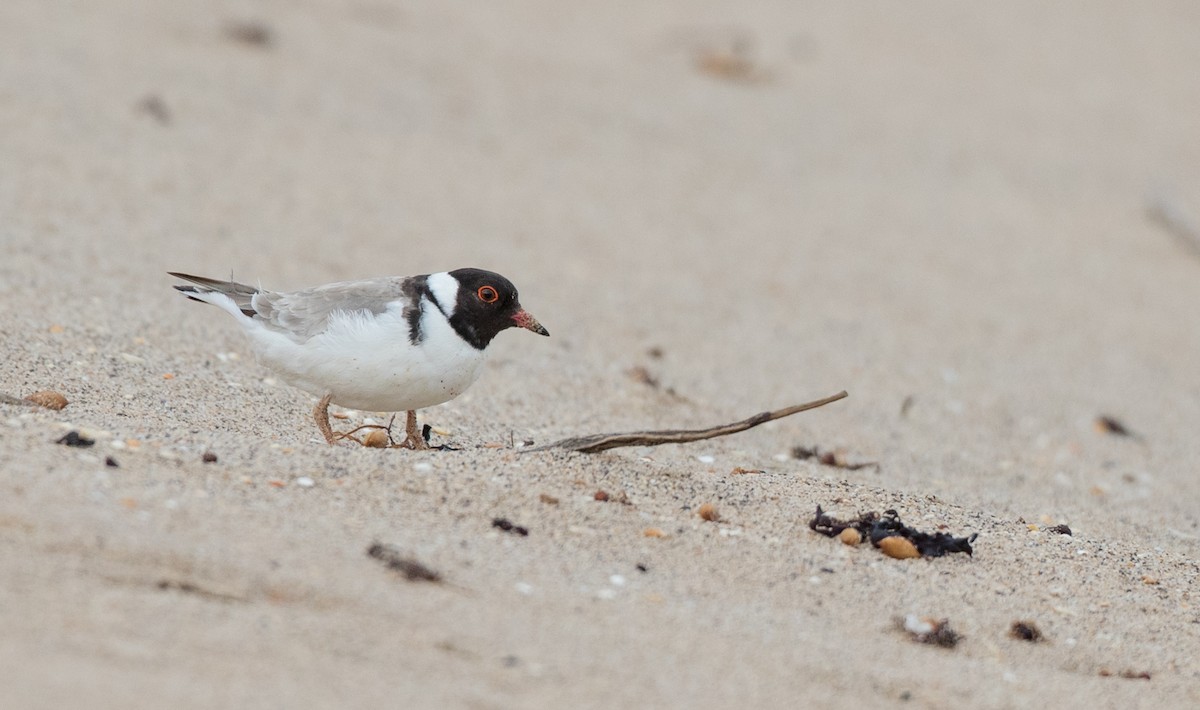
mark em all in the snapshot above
pixel 981 222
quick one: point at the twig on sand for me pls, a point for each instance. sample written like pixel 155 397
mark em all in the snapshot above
pixel 594 443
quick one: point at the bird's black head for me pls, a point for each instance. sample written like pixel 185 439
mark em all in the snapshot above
pixel 486 304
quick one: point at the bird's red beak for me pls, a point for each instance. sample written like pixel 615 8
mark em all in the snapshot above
pixel 523 319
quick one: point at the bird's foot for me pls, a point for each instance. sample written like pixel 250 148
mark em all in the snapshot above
pixel 380 437
pixel 321 416
pixel 413 435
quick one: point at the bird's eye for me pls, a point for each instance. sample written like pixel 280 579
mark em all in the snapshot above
pixel 487 294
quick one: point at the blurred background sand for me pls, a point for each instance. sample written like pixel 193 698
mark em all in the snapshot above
pixel 954 213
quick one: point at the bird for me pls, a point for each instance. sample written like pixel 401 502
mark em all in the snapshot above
pixel 386 344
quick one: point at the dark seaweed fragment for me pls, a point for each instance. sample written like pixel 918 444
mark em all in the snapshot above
pixel 876 527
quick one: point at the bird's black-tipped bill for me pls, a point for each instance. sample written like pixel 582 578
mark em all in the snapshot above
pixel 523 319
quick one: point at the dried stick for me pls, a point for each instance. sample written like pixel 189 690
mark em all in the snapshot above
pixel 602 442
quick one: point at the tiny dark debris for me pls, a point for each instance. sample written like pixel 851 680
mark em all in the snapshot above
pixel 935 632
pixel 412 570
pixel 619 497
pixel 642 375
pixel 830 458
pixel 111 462
pixel 1026 631
pixel 1170 215
pixel 942 635
pixel 249 32
pixel 641 567
pixel 876 527
pixel 507 526
pixel 167 585
pixel 425 432
pixel 1128 673
pixel 1111 425
pixel 154 107
pixel 74 438
pixel 209 457
pixel 1060 529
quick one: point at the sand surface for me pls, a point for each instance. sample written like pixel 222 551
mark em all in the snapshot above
pixel 946 210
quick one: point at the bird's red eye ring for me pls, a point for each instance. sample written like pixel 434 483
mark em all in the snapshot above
pixel 487 294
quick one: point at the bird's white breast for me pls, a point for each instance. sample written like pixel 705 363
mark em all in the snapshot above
pixel 367 362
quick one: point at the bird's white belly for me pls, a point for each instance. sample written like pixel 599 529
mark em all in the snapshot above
pixel 367 362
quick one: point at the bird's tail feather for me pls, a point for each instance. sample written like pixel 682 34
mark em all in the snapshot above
pixel 240 294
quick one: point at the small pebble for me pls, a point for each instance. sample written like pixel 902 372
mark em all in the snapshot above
pixel 617 580
pixel 600 495
pixel 653 532
pixel 209 457
pixel 706 459
pixel 48 399
pixel 423 466
pixel 708 512
pixel 376 439
pixel 305 482
pixel 898 547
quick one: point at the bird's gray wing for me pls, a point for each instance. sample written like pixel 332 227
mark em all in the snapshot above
pixel 303 314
